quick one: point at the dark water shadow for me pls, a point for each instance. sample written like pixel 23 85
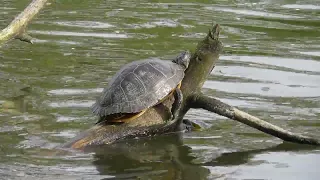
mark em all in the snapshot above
pixel 166 157
pixel 161 157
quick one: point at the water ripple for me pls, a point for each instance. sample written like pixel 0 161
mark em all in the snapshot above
pixel 84 24
pixel 295 64
pixel 263 89
pixel 253 13
pixel 74 91
pixel 66 33
pixel 72 104
pixel 301 6
pixel 269 75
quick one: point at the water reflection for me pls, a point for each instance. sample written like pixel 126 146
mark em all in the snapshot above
pixel 167 157
pixel 163 157
pixel 284 160
pixel 243 157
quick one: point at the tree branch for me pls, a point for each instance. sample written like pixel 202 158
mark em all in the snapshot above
pixel 216 106
pixel 106 134
pixel 17 28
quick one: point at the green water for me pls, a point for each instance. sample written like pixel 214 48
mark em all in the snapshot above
pixel 270 68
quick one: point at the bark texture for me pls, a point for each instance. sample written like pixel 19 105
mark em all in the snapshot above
pixel 17 28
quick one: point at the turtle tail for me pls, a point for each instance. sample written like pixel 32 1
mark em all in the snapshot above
pixel 98 110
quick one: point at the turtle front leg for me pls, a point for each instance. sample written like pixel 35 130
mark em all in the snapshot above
pixel 175 109
pixel 185 125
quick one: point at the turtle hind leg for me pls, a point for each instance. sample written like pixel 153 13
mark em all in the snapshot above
pixel 176 106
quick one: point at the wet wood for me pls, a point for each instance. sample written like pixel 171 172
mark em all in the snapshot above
pixel 17 28
pixel 218 107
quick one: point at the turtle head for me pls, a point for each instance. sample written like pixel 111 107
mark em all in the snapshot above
pixel 183 59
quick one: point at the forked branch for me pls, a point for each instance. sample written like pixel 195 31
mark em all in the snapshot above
pixel 17 28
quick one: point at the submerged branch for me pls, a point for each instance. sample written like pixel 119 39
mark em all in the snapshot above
pixel 216 106
pixel 17 28
pixel 102 133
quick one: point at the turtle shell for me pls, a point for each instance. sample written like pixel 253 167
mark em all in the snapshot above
pixel 138 86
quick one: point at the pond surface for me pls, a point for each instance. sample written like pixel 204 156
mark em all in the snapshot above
pixel 270 68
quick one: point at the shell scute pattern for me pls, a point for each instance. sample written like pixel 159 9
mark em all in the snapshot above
pixel 132 87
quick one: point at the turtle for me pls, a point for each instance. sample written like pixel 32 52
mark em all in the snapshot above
pixel 139 85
